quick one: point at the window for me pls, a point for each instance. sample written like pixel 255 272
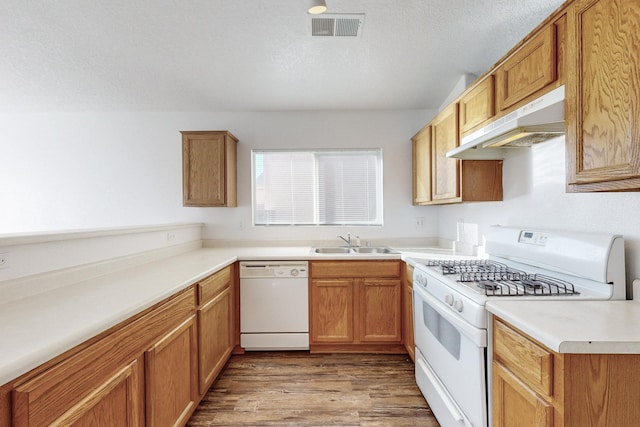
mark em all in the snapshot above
pixel 320 187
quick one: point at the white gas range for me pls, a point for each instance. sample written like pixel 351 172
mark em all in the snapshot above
pixel 450 320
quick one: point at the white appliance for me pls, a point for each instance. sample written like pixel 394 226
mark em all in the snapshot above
pixel 535 122
pixel 274 305
pixel 450 320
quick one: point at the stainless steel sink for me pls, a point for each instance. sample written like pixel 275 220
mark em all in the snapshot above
pixel 356 250
pixel 374 250
pixel 337 250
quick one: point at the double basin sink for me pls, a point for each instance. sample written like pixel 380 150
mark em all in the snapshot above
pixel 355 250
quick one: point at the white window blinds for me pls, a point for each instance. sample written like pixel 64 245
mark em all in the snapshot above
pixel 317 187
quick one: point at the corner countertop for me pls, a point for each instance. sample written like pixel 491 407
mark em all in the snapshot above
pixel 39 327
pixel 591 327
pixel 45 319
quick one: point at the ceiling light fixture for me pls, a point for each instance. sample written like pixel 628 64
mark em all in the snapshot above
pixel 317 7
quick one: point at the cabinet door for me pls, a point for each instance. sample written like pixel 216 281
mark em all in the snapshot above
pixel 529 70
pixel 445 174
pixel 209 169
pixel 117 401
pixel 171 377
pixel 407 314
pixel 422 166
pixel 214 338
pixel 380 310
pixel 516 405
pixel 478 105
pixel 603 95
pixel 332 311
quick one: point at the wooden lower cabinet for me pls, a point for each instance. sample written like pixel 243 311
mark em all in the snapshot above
pixel 407 312
pixel 116 399
pixel 102 379
pixel 379 305
pixel 171 374
pixel 332 311
pixel 152 369
pixel 351 308
pixel 215 326
pixel 535 386
pixel 516 404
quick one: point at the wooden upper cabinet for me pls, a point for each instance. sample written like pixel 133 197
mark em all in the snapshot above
pixel 422 166
pixel 445 173
pixel 439 179
pixel 209 168
pixel 478 105
pixel 603 95
pixel 528 70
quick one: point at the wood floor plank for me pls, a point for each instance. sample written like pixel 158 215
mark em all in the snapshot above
pixel 302 389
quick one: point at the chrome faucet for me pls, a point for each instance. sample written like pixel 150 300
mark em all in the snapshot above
pixel 348 239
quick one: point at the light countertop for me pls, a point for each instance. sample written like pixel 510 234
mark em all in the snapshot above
pixel 596 327
pixel 38 325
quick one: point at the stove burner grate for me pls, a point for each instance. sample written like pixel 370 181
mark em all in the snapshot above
pixel 468 266
pixel 497 279
pixel 521 284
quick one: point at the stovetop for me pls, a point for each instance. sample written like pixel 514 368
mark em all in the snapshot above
pixel 492 278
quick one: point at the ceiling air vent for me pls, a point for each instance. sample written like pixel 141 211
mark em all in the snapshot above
pixel 337 25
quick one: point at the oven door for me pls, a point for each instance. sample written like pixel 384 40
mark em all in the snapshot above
pixel 450 362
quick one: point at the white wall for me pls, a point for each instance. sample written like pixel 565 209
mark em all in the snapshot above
pixel 390 130
pixel 534 196
pixel 79 171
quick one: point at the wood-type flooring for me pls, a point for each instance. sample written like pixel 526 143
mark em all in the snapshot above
pixel 302 389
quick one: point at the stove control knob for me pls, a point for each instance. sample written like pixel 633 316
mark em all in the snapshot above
pixel 458 306
pixel 448 299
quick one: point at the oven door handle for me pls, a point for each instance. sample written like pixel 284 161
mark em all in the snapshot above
pixel 478 336
pixel 453 409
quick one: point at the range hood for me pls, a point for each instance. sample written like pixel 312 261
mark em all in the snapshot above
pixel 535 122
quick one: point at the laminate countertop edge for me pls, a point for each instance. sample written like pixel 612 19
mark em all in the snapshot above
pixel 586 327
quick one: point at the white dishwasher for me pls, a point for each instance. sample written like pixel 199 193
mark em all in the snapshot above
pixel 274 305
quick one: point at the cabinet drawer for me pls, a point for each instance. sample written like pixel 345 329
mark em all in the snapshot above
pixel 532 363
pixel 345 269
pixel 212 285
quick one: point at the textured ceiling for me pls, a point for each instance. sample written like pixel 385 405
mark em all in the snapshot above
pixel 247 55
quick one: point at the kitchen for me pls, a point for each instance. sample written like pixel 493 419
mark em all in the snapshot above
pixel 49 151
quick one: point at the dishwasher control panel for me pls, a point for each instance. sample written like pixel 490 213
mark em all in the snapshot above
pixel 250 269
